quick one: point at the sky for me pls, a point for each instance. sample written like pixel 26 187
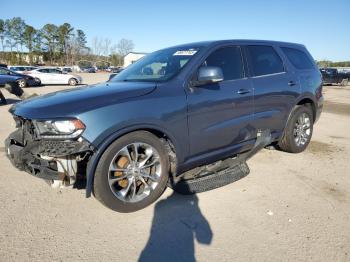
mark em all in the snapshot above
pixel 321 25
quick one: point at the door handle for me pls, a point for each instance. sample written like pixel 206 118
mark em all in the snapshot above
pixel 243 91
pixel 291 83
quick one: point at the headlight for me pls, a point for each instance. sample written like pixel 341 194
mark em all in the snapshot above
pixel 63 129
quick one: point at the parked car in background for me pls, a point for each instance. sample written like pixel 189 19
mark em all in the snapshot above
pixel 180 114
pixel 66 69
pixel 333 76
pixel 3 65
pixel 26 80
pixel 48 75
pixel 88 70
pixel 115 72
pixel 21 69
pixel 4 79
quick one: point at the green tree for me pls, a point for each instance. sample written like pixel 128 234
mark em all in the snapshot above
pixel 2 34
pixel 29 37
pixel 81 39
pixel 65 32
pixel 49 35
pixel 15 30
pixel 78 46
pixel 2 38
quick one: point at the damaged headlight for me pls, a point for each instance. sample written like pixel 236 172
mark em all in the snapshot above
pixel 63 129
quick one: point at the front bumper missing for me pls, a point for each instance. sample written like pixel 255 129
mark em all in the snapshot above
pixel 36 157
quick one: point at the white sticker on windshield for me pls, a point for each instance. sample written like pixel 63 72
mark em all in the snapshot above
pixel 185 52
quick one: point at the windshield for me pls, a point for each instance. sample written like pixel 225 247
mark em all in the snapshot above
pixel 158 66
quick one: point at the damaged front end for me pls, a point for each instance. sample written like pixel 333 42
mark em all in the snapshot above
pixel 40 150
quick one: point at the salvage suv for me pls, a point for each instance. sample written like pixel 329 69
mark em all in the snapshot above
pixel 183 113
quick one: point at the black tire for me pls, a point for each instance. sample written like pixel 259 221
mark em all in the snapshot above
pixel 287 142
pixel 101 189
pixel 72 82
pixel 37 81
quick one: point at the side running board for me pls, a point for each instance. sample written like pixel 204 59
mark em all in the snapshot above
pixel 220 173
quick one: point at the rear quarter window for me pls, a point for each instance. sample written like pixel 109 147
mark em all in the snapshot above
pixel 264 60
pixel 298 58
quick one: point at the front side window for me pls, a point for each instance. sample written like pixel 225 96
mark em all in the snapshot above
pixel 229 59
pixel 298 58
pixel 264 60
pixel 43 70
pixel 158 66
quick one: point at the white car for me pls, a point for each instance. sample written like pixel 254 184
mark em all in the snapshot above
pixel 55 76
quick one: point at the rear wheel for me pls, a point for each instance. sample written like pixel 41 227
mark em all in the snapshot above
pixel 22 83
pixel 298 132
pixel 132 173
pixel 72 82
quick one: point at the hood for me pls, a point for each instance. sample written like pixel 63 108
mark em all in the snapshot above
pixel 69 103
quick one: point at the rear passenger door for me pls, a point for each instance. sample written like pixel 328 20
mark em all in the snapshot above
pixel 220 114
pixel 44 76
pixel 275 87
pixel 57 77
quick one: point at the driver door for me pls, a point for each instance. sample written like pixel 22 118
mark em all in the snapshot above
pixel 220 114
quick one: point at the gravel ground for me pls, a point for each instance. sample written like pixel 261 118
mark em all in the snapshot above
pixel 290 208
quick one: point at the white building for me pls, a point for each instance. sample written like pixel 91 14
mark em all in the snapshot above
pixel 132 57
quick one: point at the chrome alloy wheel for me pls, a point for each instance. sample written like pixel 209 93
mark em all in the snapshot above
pixel 134 172
pixel 302 130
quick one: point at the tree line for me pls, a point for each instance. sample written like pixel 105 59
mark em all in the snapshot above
pixel 56 45
pixel 327 63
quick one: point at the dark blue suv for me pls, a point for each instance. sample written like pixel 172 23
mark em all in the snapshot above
pixel 183 108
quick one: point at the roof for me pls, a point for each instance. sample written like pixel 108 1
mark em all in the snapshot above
pixel 227 41
pixel 240 41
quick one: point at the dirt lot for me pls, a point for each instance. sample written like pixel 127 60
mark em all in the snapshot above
pixel 290 208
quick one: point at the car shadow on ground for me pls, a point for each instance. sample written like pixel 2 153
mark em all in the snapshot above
pixel 177 223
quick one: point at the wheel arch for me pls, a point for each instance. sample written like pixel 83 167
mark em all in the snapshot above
pixel 166 137
pixel 305 100
pixel 72 77
pixel 309 102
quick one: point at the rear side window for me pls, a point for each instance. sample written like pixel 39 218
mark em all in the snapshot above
pixel 298 58
pixel 264 60
pixel 229 59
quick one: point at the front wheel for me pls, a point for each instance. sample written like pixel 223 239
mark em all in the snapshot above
pixel 37 81
pixel 132 173
pixel 298 132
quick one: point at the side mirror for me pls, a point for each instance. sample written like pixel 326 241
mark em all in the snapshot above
pixel 208 75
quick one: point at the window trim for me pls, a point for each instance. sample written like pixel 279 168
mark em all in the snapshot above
pixel 251 71
pixel 244 69
pixel 305 53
